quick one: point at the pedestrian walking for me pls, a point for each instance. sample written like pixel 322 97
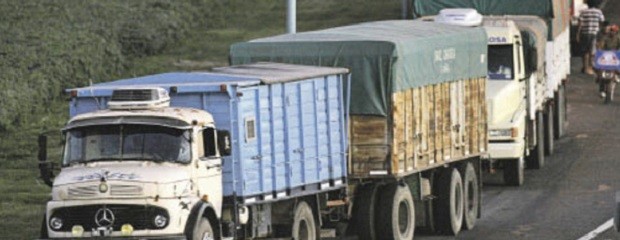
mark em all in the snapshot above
pixel 589 26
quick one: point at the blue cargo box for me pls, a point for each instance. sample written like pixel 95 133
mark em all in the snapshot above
pixel 287 123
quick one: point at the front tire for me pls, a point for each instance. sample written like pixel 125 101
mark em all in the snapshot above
pixel 396 215
pixel 304 226
pixel 514 172
pixel 203 230
pixel 449 203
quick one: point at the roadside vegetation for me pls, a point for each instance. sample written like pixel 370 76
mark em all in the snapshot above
pixel 48 46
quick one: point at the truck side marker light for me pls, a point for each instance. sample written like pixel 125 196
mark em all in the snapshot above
pixel 378 172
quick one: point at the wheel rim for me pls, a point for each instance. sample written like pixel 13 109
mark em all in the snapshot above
pixel 403 217
pixel 458 204
pixel 470 196
pixel 207 236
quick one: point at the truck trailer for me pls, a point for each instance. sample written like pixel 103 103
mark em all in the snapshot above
pixel 529 63
pixel 418 124
pixel 247 151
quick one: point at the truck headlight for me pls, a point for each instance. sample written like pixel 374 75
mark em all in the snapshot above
pixel 56 223
pixel 510 132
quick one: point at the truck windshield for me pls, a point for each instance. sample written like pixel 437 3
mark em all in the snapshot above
pixel 127 142
pixel 501 62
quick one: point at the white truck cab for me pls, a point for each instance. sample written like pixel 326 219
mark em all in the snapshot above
pixel 139 166
pixel 192 155
pixel 515 88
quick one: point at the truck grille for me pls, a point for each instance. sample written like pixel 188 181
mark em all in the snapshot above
pixel 120 190
pixel 125 190
pixel 83 191
pixel 141 217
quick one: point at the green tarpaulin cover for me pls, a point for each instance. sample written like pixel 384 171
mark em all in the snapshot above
pixel 554 12
pixel 384 57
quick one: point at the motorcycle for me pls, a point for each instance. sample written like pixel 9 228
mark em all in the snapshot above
pixel 607 67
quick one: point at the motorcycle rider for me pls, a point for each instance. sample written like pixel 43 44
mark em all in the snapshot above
pixel 609 41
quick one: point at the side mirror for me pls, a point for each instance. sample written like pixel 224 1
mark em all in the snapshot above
pixel 223 142
pixel 45 167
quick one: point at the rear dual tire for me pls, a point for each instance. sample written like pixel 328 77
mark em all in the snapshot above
pixel 549 130
pixel 471 198
pixel 449 206
pixel 396 217
pixel 536 159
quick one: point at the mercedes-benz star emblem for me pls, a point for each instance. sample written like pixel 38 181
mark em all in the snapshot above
pixel 104 217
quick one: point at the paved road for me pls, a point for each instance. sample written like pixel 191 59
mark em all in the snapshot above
pixel 575 192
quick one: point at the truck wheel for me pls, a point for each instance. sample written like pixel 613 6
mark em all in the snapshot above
pixel 472 196
pixel 514 172
pixel 549 126
pixel 363 219
pixel 304 226
pixel 560 112
pixel 536 159
pixel 396 212
pixel 448 207
pixel 203 230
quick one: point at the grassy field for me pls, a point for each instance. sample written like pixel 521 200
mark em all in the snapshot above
pixel 75 42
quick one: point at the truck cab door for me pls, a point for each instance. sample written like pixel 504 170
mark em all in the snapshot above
pixel 208 168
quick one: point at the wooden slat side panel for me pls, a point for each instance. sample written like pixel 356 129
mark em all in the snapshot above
pixel 484 131
pixel 369 145
pixel 422 127
pixel 438 123
pixel 431 123
pixel 398 130
pixel 447 124
pixel 409 131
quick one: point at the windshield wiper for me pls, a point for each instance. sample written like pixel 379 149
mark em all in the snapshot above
pixel 101 159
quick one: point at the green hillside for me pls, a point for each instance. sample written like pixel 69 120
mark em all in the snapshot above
pixel 48 46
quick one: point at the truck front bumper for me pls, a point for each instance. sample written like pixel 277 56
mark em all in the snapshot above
pixel 506 149
pixel 171 237
pixel 177 212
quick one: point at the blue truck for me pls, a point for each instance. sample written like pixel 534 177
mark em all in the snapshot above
pixel 247 151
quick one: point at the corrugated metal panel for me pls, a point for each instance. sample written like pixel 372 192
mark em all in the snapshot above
pixel 304 122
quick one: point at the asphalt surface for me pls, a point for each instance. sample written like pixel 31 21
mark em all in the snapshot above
pixel 575 191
